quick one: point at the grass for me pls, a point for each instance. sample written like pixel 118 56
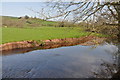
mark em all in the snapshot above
pixel 43 33
pixel 38 30
pixel 20 34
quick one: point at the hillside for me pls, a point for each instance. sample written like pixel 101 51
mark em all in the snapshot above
pixel 8 21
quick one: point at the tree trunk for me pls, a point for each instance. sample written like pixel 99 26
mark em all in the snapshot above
pixel 118 21
pixel 117 8
pixel 119 30
pixel 118 11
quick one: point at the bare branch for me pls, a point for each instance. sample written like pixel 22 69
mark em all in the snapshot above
pixel 95 11
pixel 67 12
pixel 112 12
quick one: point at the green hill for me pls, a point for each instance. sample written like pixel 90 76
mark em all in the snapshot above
pixel 8 21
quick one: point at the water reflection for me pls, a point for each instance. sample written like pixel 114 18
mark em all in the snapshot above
pixel 17 51
pixel 65 62
pixel 108 70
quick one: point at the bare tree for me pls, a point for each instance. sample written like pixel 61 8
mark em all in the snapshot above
pixel 83 10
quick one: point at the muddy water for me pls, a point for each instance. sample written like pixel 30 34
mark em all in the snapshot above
pixel 64 62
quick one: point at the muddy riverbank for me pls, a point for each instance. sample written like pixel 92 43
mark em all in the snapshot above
pixel 54 43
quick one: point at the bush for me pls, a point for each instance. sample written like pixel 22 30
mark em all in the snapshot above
pixel 65 24
pixel 26 17
pixel 104 29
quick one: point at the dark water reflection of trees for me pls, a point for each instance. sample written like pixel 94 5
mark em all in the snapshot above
pixel 108 70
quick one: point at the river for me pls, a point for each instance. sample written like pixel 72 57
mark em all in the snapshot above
pixel 99 61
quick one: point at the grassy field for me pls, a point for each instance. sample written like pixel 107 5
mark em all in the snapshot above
pixel 37 30
pixel 19 34
pixel 43 33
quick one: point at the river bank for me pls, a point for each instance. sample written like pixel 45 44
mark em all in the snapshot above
pixel 52 43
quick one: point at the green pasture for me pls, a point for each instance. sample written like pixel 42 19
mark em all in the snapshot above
pixel 42 33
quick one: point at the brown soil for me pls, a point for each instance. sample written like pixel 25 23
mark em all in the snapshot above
pixel 54 43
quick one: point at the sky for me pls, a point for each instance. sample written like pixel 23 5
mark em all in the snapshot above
pixel 18 9
pixel 21 7
pixel 37 0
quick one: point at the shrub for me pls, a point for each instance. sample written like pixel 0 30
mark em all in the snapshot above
pixel 65 24
pixel 26 17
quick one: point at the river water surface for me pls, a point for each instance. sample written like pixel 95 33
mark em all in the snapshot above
pixel 64 62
